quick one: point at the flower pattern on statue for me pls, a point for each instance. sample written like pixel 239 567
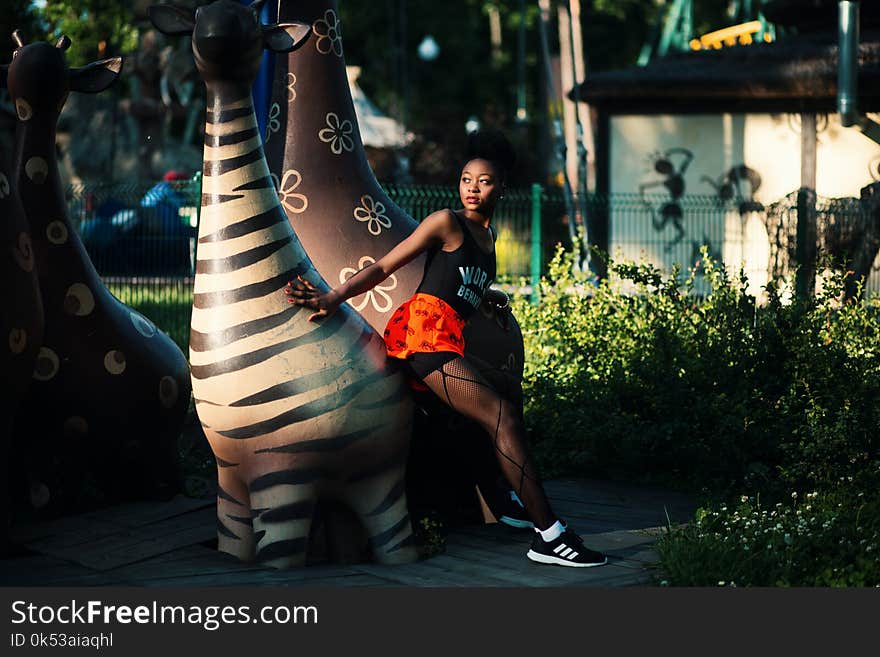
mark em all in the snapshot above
pixel 291 87
pixel 378 296
pixel 273 125
pixel 329 33
pixel 293 202
pixel 372 212
pixel 337 134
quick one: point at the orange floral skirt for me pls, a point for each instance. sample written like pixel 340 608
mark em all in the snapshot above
pixel 424 324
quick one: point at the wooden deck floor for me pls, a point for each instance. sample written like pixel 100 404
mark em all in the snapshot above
pixel 167 545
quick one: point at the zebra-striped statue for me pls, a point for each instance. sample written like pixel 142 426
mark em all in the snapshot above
pixel 294 411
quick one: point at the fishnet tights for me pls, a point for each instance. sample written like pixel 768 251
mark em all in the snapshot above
pixel 460 386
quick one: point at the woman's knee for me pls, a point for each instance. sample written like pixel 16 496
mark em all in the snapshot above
pixel 509 422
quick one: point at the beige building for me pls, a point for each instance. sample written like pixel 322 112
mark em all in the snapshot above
pixel 712 146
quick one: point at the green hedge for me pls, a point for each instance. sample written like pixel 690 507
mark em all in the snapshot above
pixel 638 377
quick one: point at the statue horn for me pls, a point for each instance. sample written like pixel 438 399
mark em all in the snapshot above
pixel 18 37
pixel 63 43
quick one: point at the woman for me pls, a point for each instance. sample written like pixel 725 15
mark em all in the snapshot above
pixel 425 333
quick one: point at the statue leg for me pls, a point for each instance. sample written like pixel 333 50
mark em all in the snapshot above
pixel 380 504
pixel 283 523
pixel 235 534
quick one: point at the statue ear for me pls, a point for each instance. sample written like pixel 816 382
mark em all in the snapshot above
pixel 171 20
pixel 96 76
pixel 4 69
pixel 285 37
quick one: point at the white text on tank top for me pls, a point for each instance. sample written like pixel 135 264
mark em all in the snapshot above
pixel 473 277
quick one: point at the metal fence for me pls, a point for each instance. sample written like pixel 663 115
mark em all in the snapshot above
pixel 142 237
pixel 744 234
pixel 147 229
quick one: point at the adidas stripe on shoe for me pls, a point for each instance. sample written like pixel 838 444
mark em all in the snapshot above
pixel 566 550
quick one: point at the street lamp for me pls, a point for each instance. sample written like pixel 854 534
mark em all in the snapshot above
pixel 428 49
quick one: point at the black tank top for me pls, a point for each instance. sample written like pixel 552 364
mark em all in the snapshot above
pixel 459 277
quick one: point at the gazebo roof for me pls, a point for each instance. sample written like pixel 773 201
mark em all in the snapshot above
pixel 793 74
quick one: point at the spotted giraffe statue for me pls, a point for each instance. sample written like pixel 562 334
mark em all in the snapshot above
pixel 110 391
pixel 21 320
pixel 294 411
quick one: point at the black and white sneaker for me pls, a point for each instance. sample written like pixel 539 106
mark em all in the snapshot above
pixel 514 514
pixel 566 550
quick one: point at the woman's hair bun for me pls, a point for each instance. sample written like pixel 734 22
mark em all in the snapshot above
pixel 492 145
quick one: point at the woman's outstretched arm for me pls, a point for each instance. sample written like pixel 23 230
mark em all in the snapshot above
pixel 435 230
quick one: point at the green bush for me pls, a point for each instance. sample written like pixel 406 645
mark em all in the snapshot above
pixel 711 393
pixel 640 377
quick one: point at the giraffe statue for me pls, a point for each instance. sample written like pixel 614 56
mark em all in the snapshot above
pixel 294 411
pixel 109 391
pixel 21 320
pixel 339 211
pixel 345 220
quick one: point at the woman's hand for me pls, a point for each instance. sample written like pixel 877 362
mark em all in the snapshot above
pixel 303 293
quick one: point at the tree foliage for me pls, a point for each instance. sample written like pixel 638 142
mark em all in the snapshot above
pixel 97 28
pixel 470 77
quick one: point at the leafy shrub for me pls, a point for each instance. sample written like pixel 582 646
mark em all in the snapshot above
pixel 640 377
pixel 711 393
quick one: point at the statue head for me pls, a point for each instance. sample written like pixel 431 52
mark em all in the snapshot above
pixel 39 79
pixel 228 38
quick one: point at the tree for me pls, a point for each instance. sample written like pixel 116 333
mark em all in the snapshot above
pixel 470 77
pixel 97 28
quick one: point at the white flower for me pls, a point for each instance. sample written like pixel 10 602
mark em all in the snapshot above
pixel 337 134
pixel 329 33
pixel 293 202
pixel 377 296
pixel 291 92
pixel 273 124
pixel 373 213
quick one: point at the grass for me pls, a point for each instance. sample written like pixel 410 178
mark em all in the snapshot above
pixel 166 302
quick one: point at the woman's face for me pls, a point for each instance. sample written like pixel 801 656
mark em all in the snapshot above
pixel 480 186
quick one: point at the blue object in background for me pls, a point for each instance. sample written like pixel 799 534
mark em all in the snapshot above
pixel 262 87
pixel 165 201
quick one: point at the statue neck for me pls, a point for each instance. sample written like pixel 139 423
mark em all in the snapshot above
pixel 235 177
pixel 232 143
pixel 312 124
pixel 37 163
